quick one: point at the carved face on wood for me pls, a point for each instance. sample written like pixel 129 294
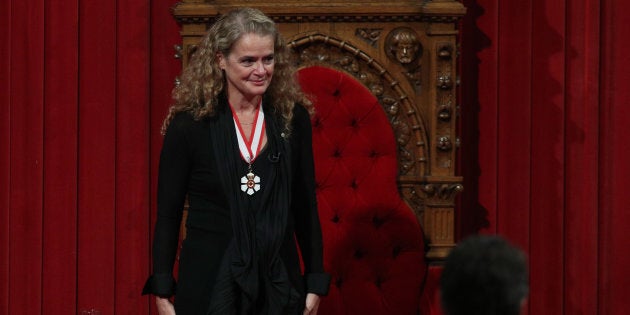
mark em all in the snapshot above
pixel 403 45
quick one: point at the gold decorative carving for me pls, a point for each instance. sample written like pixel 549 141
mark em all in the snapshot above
pixel 444 81
pixel 298 18
pixel 403 45
pixel 370 35
pixel 444 143
pixel 445 52
pixel 442 191
pixel 415 77
pixel 178 51
pixel 414 198
pixel 444 96
pixel 444 112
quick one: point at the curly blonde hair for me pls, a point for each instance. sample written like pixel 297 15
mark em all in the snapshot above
pixel 202 80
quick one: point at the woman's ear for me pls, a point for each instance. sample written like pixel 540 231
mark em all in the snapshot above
pixel 220 60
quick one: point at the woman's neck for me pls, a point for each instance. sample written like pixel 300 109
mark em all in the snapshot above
pixel 244 105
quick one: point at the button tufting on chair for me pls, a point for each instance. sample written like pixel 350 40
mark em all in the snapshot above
pixel 335 219
pixel 378 251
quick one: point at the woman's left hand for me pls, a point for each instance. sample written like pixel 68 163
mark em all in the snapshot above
pixel 312 304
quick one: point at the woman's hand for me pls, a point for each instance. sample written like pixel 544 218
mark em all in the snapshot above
pixel 164 306
pixel 312 304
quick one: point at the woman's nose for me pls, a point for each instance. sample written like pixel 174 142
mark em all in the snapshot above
pixel 260 68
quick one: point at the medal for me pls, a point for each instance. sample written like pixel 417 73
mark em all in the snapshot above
pixel 250 183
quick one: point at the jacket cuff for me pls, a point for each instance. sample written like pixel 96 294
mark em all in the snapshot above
pixel 162 285
pixel 317 283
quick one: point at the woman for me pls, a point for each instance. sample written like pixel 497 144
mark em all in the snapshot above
pixel 238 144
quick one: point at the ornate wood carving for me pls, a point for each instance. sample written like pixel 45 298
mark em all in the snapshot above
pixel 318 49
pixel 370 35
pixel 417 91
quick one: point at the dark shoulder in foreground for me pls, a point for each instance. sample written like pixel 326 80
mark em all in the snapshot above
pixel 181 121
pixel 184 117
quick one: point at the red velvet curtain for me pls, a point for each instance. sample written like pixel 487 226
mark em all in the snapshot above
pixel 84 86
pixel 544 108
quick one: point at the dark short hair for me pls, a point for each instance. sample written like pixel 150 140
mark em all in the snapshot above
pixel 484 275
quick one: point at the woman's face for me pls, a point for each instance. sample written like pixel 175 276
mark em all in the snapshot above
pixel 249 66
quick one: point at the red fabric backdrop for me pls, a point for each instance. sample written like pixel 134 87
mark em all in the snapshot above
pixel 544 146
pixel 84 87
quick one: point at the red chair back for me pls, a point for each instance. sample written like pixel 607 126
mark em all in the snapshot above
pixel 373 243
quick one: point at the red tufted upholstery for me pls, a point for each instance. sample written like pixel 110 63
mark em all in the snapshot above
pixel 373 244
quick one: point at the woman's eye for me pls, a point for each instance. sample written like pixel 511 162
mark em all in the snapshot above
pixel 268 60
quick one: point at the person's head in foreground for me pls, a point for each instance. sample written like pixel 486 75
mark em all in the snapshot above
pixel 484 275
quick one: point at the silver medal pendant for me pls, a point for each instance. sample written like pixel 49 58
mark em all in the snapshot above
pixel 250 183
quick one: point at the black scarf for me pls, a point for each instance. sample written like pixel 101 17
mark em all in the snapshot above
pixel 253 278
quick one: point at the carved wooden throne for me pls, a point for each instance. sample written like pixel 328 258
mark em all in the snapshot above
pixel 404 54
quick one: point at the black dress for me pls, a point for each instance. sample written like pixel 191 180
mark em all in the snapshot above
pixel 193 164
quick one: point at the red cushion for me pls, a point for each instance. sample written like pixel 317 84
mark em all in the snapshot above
pixel 373 244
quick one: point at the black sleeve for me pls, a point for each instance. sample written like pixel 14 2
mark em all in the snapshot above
pixel 308 231
pixel 173 178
